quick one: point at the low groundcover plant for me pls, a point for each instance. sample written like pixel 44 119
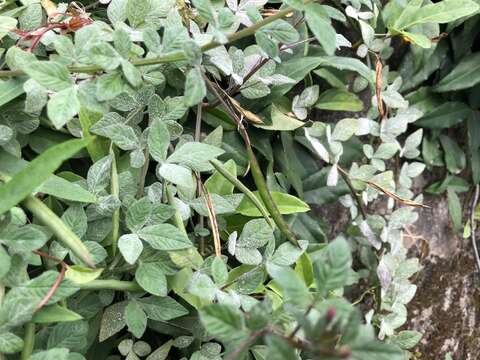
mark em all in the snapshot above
pixel 163 163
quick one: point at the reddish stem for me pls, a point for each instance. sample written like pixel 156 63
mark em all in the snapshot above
pixel 57 282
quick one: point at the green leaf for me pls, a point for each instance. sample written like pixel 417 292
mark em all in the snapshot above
pixel 444 116
pixel 52 75
pixel 63 106
pixel 151 278
pixel 165 237
pixel 332 271
pixel 287 253
pixel 162 308
pixel 296 69
pixel 205 9
pixel 137 10
pixel 122 42
pixel 222 321
pixel 375 350
pixel 218 184
pixel 109 86
pixel 113 320
pixel 293 288
pixel 418 39
pixel 442 12
pixel 10 343
pixel 98 148
pixel 286 203
pixel 474 144
pixel 346 63
pixel 117 11
pixel 161 353
pixel 81 275
pixel 113 126
pixel 11 89
pixel 195 88
pixel 57 354
pixel 23 239
pixel 177 175
pixel 281 31
pixel 464 75
pixel 54 314
pixel 455 158
pixel 279 349
pixel 194 155
pixel 158 140
pixel 345 129
pixel 136 319
pixel 280 121
pixel 406 339
pixel 70 335
pixel 256 233
pixel 7 24
pixel 5 262
pixel 340 100
pixel 131 247
pixel 105 56
pixel 132 74
pixel 219 270
pixel 221 204
pixel 37 171
pixel 319 23
pixel 21 301
pixel 455 210
pixel 202 286
pixel 98 176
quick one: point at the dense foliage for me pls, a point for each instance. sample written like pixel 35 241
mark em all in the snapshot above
pixel 164 165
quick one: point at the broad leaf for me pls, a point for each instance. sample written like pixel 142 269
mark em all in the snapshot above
pixel 36 172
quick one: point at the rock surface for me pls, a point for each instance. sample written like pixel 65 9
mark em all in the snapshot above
pixel 446 306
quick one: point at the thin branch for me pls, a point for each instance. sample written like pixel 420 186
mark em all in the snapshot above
pixel 357 197
pixel 53 289
pixel 472 225
pixel 240 186
pixel 177 56
pixel 92 6
pixel 115 191
pixel 298 326
pixel 213 220
pixel 198 134
pixel 235 90
pixel 381 189
pixel 57 282
pixel 257 174
pixel 177 217
pixel 243 346
pixel 228 108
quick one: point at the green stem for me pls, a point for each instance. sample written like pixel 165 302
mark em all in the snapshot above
pixel 2 294
pixel 177 56
pixel 267 197
pixel 118 285
pixel 246 191
pixel 115 190
pixel 28 341
pixel 177 217
pixel 63 233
